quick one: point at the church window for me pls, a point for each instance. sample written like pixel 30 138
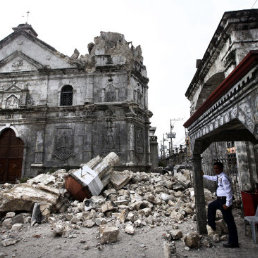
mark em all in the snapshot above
pixel 66 96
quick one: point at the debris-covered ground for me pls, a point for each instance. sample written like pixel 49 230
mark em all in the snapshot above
pixel 137 215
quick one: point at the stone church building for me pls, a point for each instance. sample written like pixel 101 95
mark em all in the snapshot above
pixel 59 111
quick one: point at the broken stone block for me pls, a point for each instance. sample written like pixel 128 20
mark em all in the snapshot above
pixel 100 221
pixel 108 234
pixel 146 212
pixel 23 196
pixel 215 238
pixel 138 223
pixel 221 227
pixel 192 240
pixel 130 216
pixel 224 238
pixel 208 195
pixel 210 231
pixel 9 241
pixel 88 223
pixel 168 249
pixel 165 197
pixel 83 183
pixel 17 227
pixel 176 234
pixel 59 229
pixel 43 179
pixel 107 192
pixel 206 243
pixel 106 164
pixel 120 179
pixel 19 218
pixel 178 194
pixel 122 216
pixel 176 216
pixel 129 229
pixel 7 223
pixel 45 209
pixel 108 206
pixel 93 162
pixel 188 211
pixel 9 215
pixel 87 181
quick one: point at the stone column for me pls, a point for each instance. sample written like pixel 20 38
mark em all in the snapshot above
pixel 246 164
pixel 154 153
pixel 131 145
pixel 199 194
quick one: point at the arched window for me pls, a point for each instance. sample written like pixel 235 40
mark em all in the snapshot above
pixel 66 98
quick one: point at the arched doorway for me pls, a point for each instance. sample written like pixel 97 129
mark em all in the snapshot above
pixel 11 156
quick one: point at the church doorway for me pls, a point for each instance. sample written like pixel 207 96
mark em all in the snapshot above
pixel 11 156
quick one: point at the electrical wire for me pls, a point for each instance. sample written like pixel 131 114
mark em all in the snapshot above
pixel 254 4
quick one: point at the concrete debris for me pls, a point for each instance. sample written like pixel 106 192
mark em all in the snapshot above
pixel 169 249
pixel 108 234
pixel 129 229
pixel 92 177
pixel 61 228
pixel 9 241
pixel 88 223
pixel 192 240
pixel 48 192
pixel 45 179
pixel 120 179
pixel 7 223
pixel 17 227
pixel 130 201
pixel 176 234
pixel 215 238
pixel 9 215
pixel 107 206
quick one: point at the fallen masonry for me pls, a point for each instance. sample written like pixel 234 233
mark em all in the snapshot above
pixel 129 202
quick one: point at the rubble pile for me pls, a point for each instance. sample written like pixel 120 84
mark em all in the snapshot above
pixel 46 189
pixel 129 201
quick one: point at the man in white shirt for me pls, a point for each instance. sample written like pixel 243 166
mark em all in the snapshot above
pixel 223 203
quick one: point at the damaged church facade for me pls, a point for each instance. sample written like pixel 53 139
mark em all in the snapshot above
pixel 58 111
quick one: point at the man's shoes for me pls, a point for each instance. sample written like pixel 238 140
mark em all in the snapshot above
pixel 229 245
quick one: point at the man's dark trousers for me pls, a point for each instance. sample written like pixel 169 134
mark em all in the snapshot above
pixel 227 216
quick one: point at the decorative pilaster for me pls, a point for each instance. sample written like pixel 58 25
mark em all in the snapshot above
pixel 131 144
pixel 39 147
pixel 89 90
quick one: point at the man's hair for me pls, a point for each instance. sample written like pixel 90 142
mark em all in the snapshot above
pixel 219 164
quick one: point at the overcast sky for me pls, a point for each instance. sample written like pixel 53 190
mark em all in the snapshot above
pixel 172 34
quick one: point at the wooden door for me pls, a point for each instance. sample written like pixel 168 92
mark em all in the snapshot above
pixel 11 156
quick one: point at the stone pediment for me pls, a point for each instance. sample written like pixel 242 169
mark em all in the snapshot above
pixel 13 88
pixel 18 62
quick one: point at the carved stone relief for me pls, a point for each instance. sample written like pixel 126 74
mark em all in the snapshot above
pixel 246 115
pixel 17 64
pixel 64 143
pixel 12 102
pixel 139 140
pixel 111 92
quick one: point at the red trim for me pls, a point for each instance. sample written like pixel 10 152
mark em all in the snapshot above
pixel 249 61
